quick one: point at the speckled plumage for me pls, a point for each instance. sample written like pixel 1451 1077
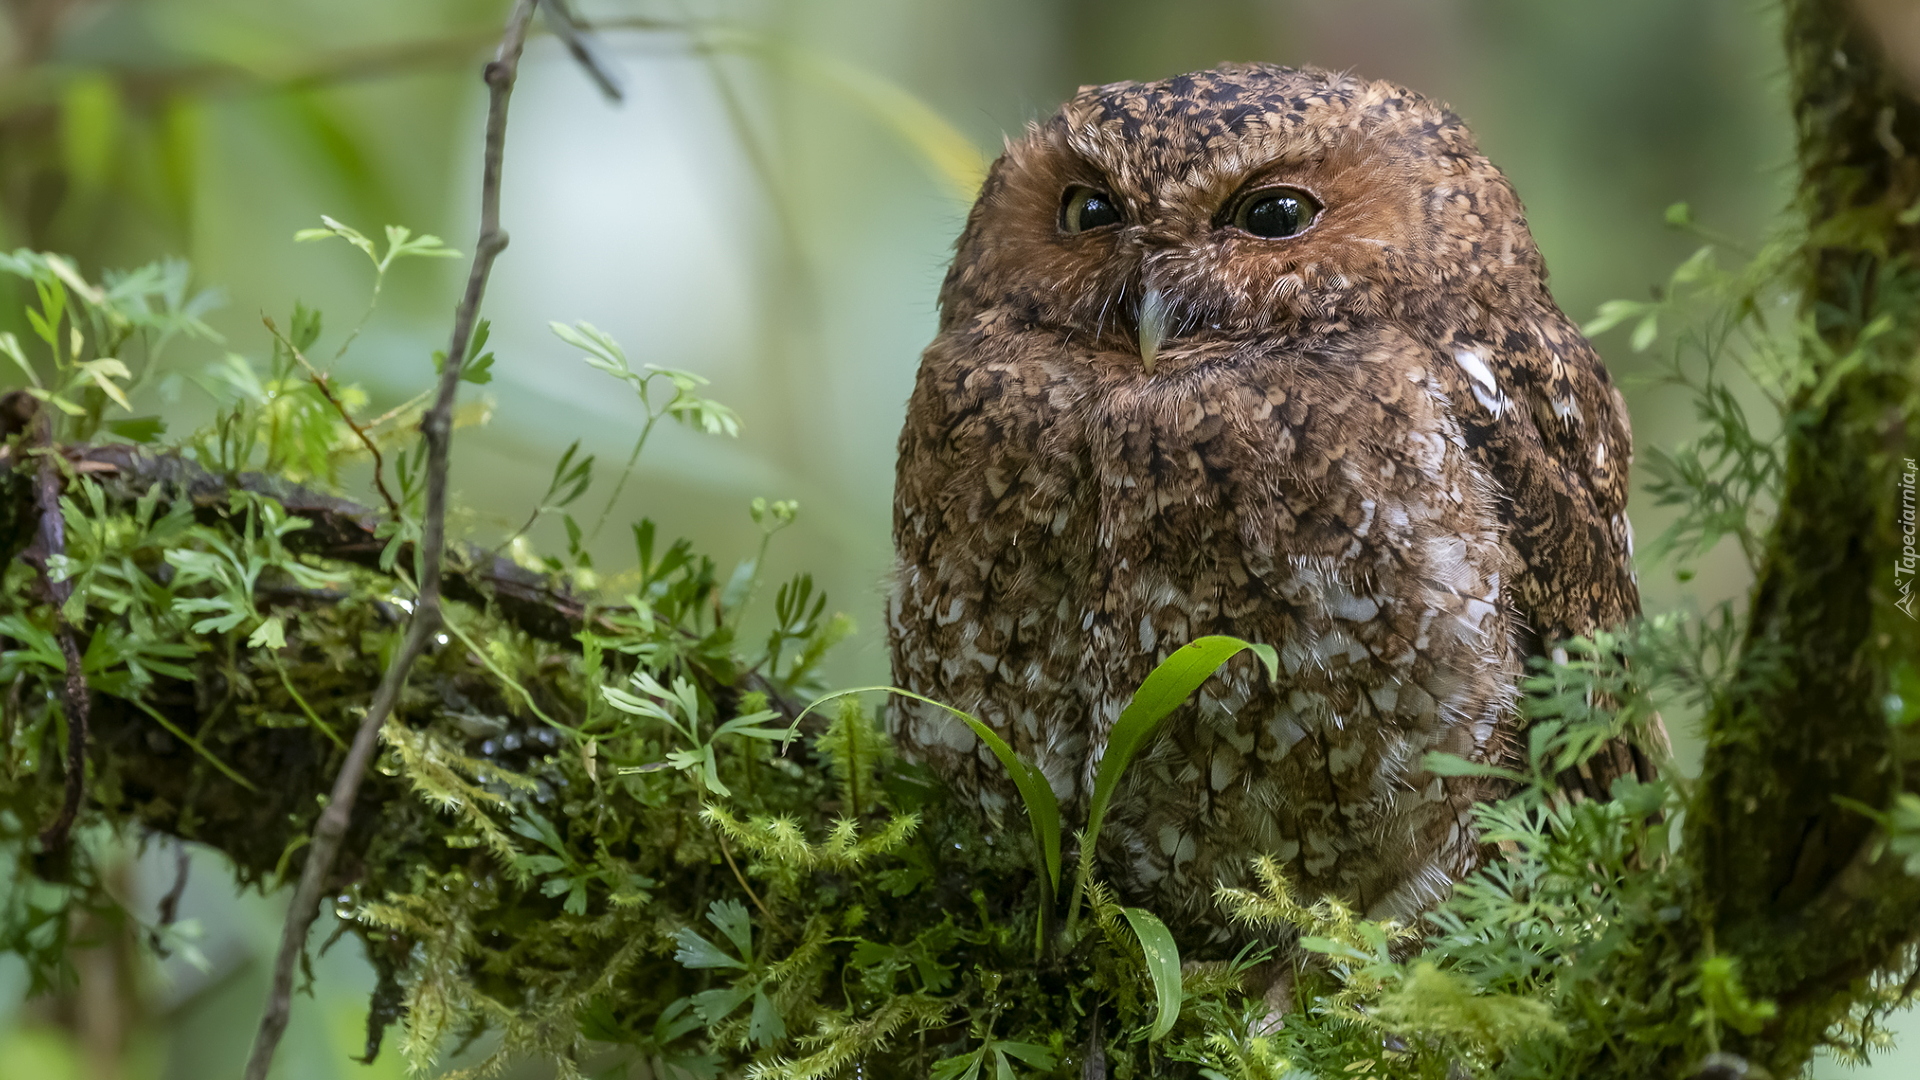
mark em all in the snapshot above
pixel 1377 445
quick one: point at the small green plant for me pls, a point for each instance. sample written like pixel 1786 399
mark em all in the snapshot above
pixel 684 403
pixel 679 708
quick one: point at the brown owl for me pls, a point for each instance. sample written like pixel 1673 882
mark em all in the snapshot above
pixel 1268 352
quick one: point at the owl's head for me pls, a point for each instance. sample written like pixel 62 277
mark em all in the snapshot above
pixel 1247 201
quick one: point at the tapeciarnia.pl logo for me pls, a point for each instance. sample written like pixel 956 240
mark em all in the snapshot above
pixel 1904 566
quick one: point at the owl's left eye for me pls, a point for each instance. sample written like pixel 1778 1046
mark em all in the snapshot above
pixel 1087 208
pixel 1276 213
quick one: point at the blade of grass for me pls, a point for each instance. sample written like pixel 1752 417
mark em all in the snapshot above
pixel 1164 690
pixel 175 730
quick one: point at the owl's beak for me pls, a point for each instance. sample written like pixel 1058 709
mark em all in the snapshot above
pixel 1152 326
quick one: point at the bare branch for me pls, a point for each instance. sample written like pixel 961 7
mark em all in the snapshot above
pixel 326 391
pixel 584 47
pixel 50 543
pixel 437 427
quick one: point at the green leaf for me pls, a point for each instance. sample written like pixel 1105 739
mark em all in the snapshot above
pixel 697 952
pixel 1440 764
pixel 730 916
pixel 1612 314
pixel 56 401
pixel 961 1067
pixel 345 232
pixel 739 584
pixel 1723 1000
pixel 534 826
pixel 402 244
pixel 540 864
pixel 636 705
pixel 104 371
pixel 10 348
pixel 1644 333
pixel 303 329
pixel 1037 1056
pixel 1165 689
pixel 710 773
pixel 603 353
pixel 750 727
pixel 270 634
pixel 715 1005
pixel 1163 964
pixel 765 1027
pixel 478 371
pixel 1329 947
pixel 42 327
pixel 139 429
pixel 671 1024
pixel 1697 266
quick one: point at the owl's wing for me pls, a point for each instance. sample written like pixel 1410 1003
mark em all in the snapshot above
pixel 1541 415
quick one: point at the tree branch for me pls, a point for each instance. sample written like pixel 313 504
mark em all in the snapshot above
pixel 537 604
pixel 437 428
pixel 1788 882
pixel 50 543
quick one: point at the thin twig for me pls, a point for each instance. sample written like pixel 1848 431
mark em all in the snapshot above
pixel 619 485
pixel 586 51
pixel 170 903
pixel 436 427
pixel 374 424
pixel 742 878
pixel 313 718
pixel 52 542
pixel 320 381
pixel 198 747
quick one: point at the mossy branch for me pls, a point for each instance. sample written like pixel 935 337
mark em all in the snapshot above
pixel 538 604
pixel 1794 879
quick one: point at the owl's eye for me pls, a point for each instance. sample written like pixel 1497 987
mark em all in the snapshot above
pixel 1276 213
pixel 1087 208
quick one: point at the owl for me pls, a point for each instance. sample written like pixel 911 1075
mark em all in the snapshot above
pixel 1268 352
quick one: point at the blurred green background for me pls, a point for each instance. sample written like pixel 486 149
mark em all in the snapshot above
pixel 768 208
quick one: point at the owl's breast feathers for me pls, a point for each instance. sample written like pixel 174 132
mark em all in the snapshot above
pixel 1063 523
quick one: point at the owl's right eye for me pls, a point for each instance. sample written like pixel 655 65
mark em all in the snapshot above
pixel 1087 208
